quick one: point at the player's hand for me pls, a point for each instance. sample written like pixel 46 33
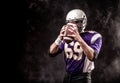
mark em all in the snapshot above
pixel 62 32
pixel 75 34
pixel 60 36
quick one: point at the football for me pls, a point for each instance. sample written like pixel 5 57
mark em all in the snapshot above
pixel 69 28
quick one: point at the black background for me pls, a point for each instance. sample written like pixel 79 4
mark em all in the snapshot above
pixel 35 24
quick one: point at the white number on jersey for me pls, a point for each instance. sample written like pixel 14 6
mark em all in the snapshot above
pixel 69 52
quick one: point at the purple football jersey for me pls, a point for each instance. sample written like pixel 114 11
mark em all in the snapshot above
pixel 75 59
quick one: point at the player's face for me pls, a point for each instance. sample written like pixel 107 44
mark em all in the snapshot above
pixel 78 23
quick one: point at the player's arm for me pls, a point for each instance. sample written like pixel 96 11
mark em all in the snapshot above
pixel 93 50
pixel 88 51
pixel 54 48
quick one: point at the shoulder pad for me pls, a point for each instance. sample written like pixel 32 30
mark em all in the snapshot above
pixel 95 37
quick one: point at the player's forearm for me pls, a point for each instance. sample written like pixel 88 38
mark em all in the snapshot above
pixel 53 48
pixel 89 52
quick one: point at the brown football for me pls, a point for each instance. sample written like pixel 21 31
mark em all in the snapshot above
pixel 68 31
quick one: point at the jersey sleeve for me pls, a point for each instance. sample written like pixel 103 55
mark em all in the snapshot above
pixel 96 43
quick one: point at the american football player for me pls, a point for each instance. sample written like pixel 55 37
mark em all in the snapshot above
pixel 82 49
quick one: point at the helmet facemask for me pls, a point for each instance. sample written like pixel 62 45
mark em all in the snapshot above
pixel 77 16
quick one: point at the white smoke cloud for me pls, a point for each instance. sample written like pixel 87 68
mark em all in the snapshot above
pixel 117 34
pixel 116 25
pixel 112 71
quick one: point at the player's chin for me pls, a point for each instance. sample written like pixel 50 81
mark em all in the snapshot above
pixel 68 39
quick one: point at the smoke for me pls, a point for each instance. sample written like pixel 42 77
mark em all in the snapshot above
pixel 109 58
pixel 116 26
pixel 112 71
pixel 44 19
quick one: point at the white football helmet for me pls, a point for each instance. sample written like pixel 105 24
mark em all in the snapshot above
pixel 77 15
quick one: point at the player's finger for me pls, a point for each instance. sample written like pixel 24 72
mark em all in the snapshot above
pixel 71 35
pixel 71 30
pixel 62 31
pixel 62 35
pixel 64 27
